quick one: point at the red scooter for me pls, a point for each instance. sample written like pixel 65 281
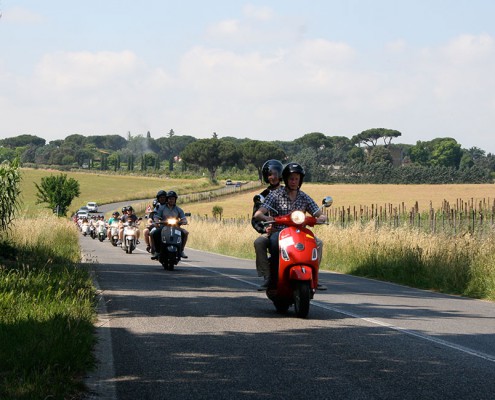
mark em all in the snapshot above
pixel 297 277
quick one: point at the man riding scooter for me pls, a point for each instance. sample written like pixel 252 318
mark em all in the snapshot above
pixel 170 210
pixel 127 216
pixel 285 200
pixel 114 219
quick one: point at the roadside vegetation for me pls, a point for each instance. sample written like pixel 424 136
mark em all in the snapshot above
pixel 47 311
pixel 458 261
pixel 46 302
pixel 462 265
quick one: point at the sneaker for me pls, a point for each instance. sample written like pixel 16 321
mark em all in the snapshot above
pixel 119 242
pixel 155 256
pixel 264 285
pixel 183 255
pixel 148 249
pixel 321 287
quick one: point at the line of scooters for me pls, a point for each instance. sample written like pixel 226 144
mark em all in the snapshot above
pixel 99 228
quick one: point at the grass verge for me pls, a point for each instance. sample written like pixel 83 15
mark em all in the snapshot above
pixel 46 312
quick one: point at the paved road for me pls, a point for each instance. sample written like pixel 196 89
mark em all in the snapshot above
pixel 204 332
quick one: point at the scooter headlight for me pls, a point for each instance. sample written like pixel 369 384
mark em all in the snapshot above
pixel 172 221
pixel 298 217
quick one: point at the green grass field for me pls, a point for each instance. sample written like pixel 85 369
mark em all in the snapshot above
pixel 106 188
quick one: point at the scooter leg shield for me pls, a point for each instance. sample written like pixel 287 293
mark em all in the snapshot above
pixel 301 273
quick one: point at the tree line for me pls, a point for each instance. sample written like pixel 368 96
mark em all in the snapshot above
pixel 368 157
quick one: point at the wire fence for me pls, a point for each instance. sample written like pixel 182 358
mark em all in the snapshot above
pixel 471 216
pixel 474 217
pixel 210 195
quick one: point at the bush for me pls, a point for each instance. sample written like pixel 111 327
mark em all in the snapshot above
pixel 10 179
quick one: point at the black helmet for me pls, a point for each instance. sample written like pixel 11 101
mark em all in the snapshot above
pixel 289 169
pixel 115 214
pixel 129 208
pixel 271 166
pixel 161 193
pixel 171 193
pixel 124 209
pixel 155 202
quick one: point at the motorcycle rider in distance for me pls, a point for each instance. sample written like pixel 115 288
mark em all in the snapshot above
pixel 170 209
pixel 114 219
pixel 272 174
pixel 160 201
pixel 128 216
pixel 285 200
pixel 101 221
pixel 84 224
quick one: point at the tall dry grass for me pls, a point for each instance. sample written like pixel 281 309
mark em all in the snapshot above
pixel 460 265
pixel 47 233
pixel 47 301
pixel 356 196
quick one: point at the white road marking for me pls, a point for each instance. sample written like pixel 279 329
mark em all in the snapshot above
pixel 429 338
pixel 374 321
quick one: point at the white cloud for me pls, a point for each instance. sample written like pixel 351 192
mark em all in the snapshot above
pixel 396 46
pixel 21 15
pixel 258 13
pixel 258 27
pixel 225 28
pixel 85 70
pixel 469 49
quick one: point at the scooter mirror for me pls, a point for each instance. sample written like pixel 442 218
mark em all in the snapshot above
pixel 327 201
pixel 187 214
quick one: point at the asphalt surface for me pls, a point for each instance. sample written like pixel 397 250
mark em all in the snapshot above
pixel 205 332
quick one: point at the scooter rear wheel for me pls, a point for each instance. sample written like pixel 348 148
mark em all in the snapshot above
pixel 302 296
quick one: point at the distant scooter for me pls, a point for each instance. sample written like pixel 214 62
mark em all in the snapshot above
pixel 85 228
pixel 129 240
pixel 102 232
pixel 114 233
pixel 92 231
pixel 297 277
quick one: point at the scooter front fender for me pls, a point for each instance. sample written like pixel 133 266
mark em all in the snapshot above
pixel 301 273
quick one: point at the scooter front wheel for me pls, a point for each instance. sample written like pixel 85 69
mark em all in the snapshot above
pixel 281 306
pixel 170 262
pixel 302 296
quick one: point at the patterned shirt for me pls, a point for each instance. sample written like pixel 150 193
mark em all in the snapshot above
pixel 280 201
pixel 167 212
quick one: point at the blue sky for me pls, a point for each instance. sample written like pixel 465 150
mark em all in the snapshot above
pixel 267 70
